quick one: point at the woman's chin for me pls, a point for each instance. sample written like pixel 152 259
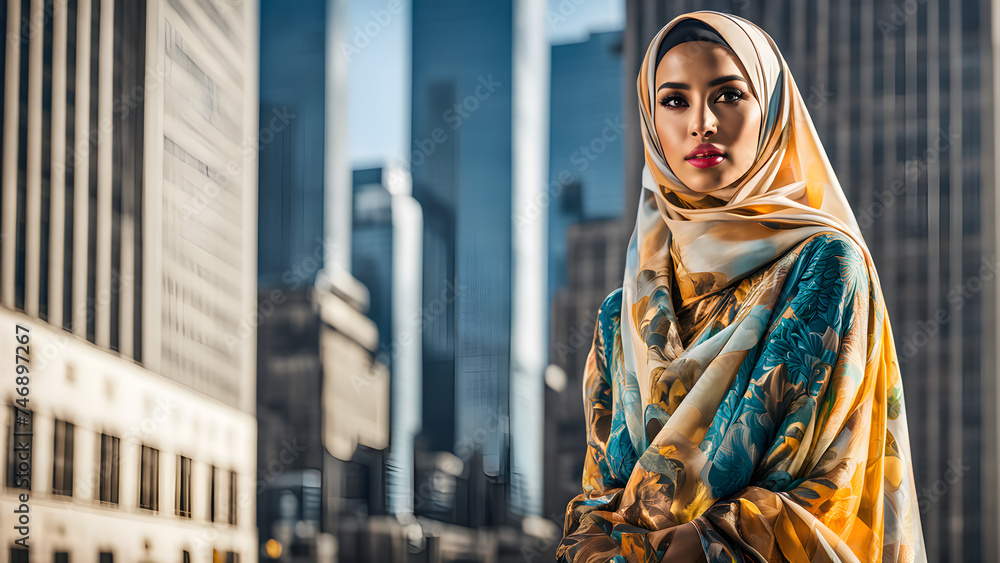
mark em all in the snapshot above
pixel 707 185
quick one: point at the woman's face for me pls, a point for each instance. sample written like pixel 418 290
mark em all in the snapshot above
pixel 703 96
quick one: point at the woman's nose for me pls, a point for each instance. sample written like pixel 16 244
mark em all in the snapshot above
pixel 704 123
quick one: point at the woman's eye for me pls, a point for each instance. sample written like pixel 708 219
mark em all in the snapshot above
pixel 666 101
pixel 735 95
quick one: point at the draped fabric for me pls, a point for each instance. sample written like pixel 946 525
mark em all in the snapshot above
pixel 743 381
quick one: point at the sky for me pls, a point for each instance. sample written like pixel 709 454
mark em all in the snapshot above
pixel 378 50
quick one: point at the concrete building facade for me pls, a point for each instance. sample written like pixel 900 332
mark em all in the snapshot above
pixel 128 255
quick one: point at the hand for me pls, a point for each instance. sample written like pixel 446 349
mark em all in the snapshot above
pixel 685 547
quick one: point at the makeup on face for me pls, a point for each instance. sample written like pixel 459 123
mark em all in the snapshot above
pixel 706 117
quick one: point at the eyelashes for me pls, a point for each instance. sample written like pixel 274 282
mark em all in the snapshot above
pixel 666 100
pixel 731 91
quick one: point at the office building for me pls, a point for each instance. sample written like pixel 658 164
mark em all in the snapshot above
pixel 386 257
pixel 586 141
pixel 478 164
pixel 128 255
pixel 323 396
pixel 586 177
pixel 595 268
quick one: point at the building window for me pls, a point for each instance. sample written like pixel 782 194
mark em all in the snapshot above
pixel 106 557
pixel 182 502
pixel 232 498
pixel 110 464
pixel 212 495
pixel 62 459
pixel 18 555
pixel 149 479
pixel 230 556
pixel 186 557
pixel 19 451
pixel 61 557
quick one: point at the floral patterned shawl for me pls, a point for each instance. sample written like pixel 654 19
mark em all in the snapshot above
pixel 744 379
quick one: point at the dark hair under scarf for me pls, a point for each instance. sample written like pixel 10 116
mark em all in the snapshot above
pixel 689 30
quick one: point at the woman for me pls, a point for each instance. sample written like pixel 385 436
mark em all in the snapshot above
pixel 743 396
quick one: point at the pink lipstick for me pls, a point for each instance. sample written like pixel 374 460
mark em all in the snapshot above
pixel 705 155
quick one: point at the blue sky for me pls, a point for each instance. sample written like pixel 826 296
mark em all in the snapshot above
pixel 379 87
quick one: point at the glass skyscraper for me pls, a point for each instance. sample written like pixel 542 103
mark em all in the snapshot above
pixel 586 140
pixel 478 164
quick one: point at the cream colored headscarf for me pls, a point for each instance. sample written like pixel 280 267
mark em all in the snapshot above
pixel 790 193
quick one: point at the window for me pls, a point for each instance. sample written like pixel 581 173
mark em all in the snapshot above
pixel 149 479
pixel 186 556
pixel 126 130
pixel 232 498
pixel 19 451
pixel 62 459
pixel 212 494
pixel 230 557
pixel 222 496
pixel 182 501
pixel 18 555
pixel 61 557
pixel 106 557
pixel 110 464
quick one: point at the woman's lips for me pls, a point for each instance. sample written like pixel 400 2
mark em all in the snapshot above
pixel 707 161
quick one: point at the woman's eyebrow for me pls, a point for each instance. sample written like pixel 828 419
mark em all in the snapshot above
pixel 682 86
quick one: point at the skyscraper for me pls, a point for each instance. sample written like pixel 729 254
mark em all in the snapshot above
pixel 595 266
pixel 386 256
pixel 128 226
pixel 902 95
pixel 586 261
pixel 323 397
pixel 478 166
pixel 586 140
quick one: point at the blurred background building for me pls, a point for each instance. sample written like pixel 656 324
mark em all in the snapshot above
pixel 127 253
pixel 586 262
pixel 478 163
pixel 387 231
pixel 323 395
